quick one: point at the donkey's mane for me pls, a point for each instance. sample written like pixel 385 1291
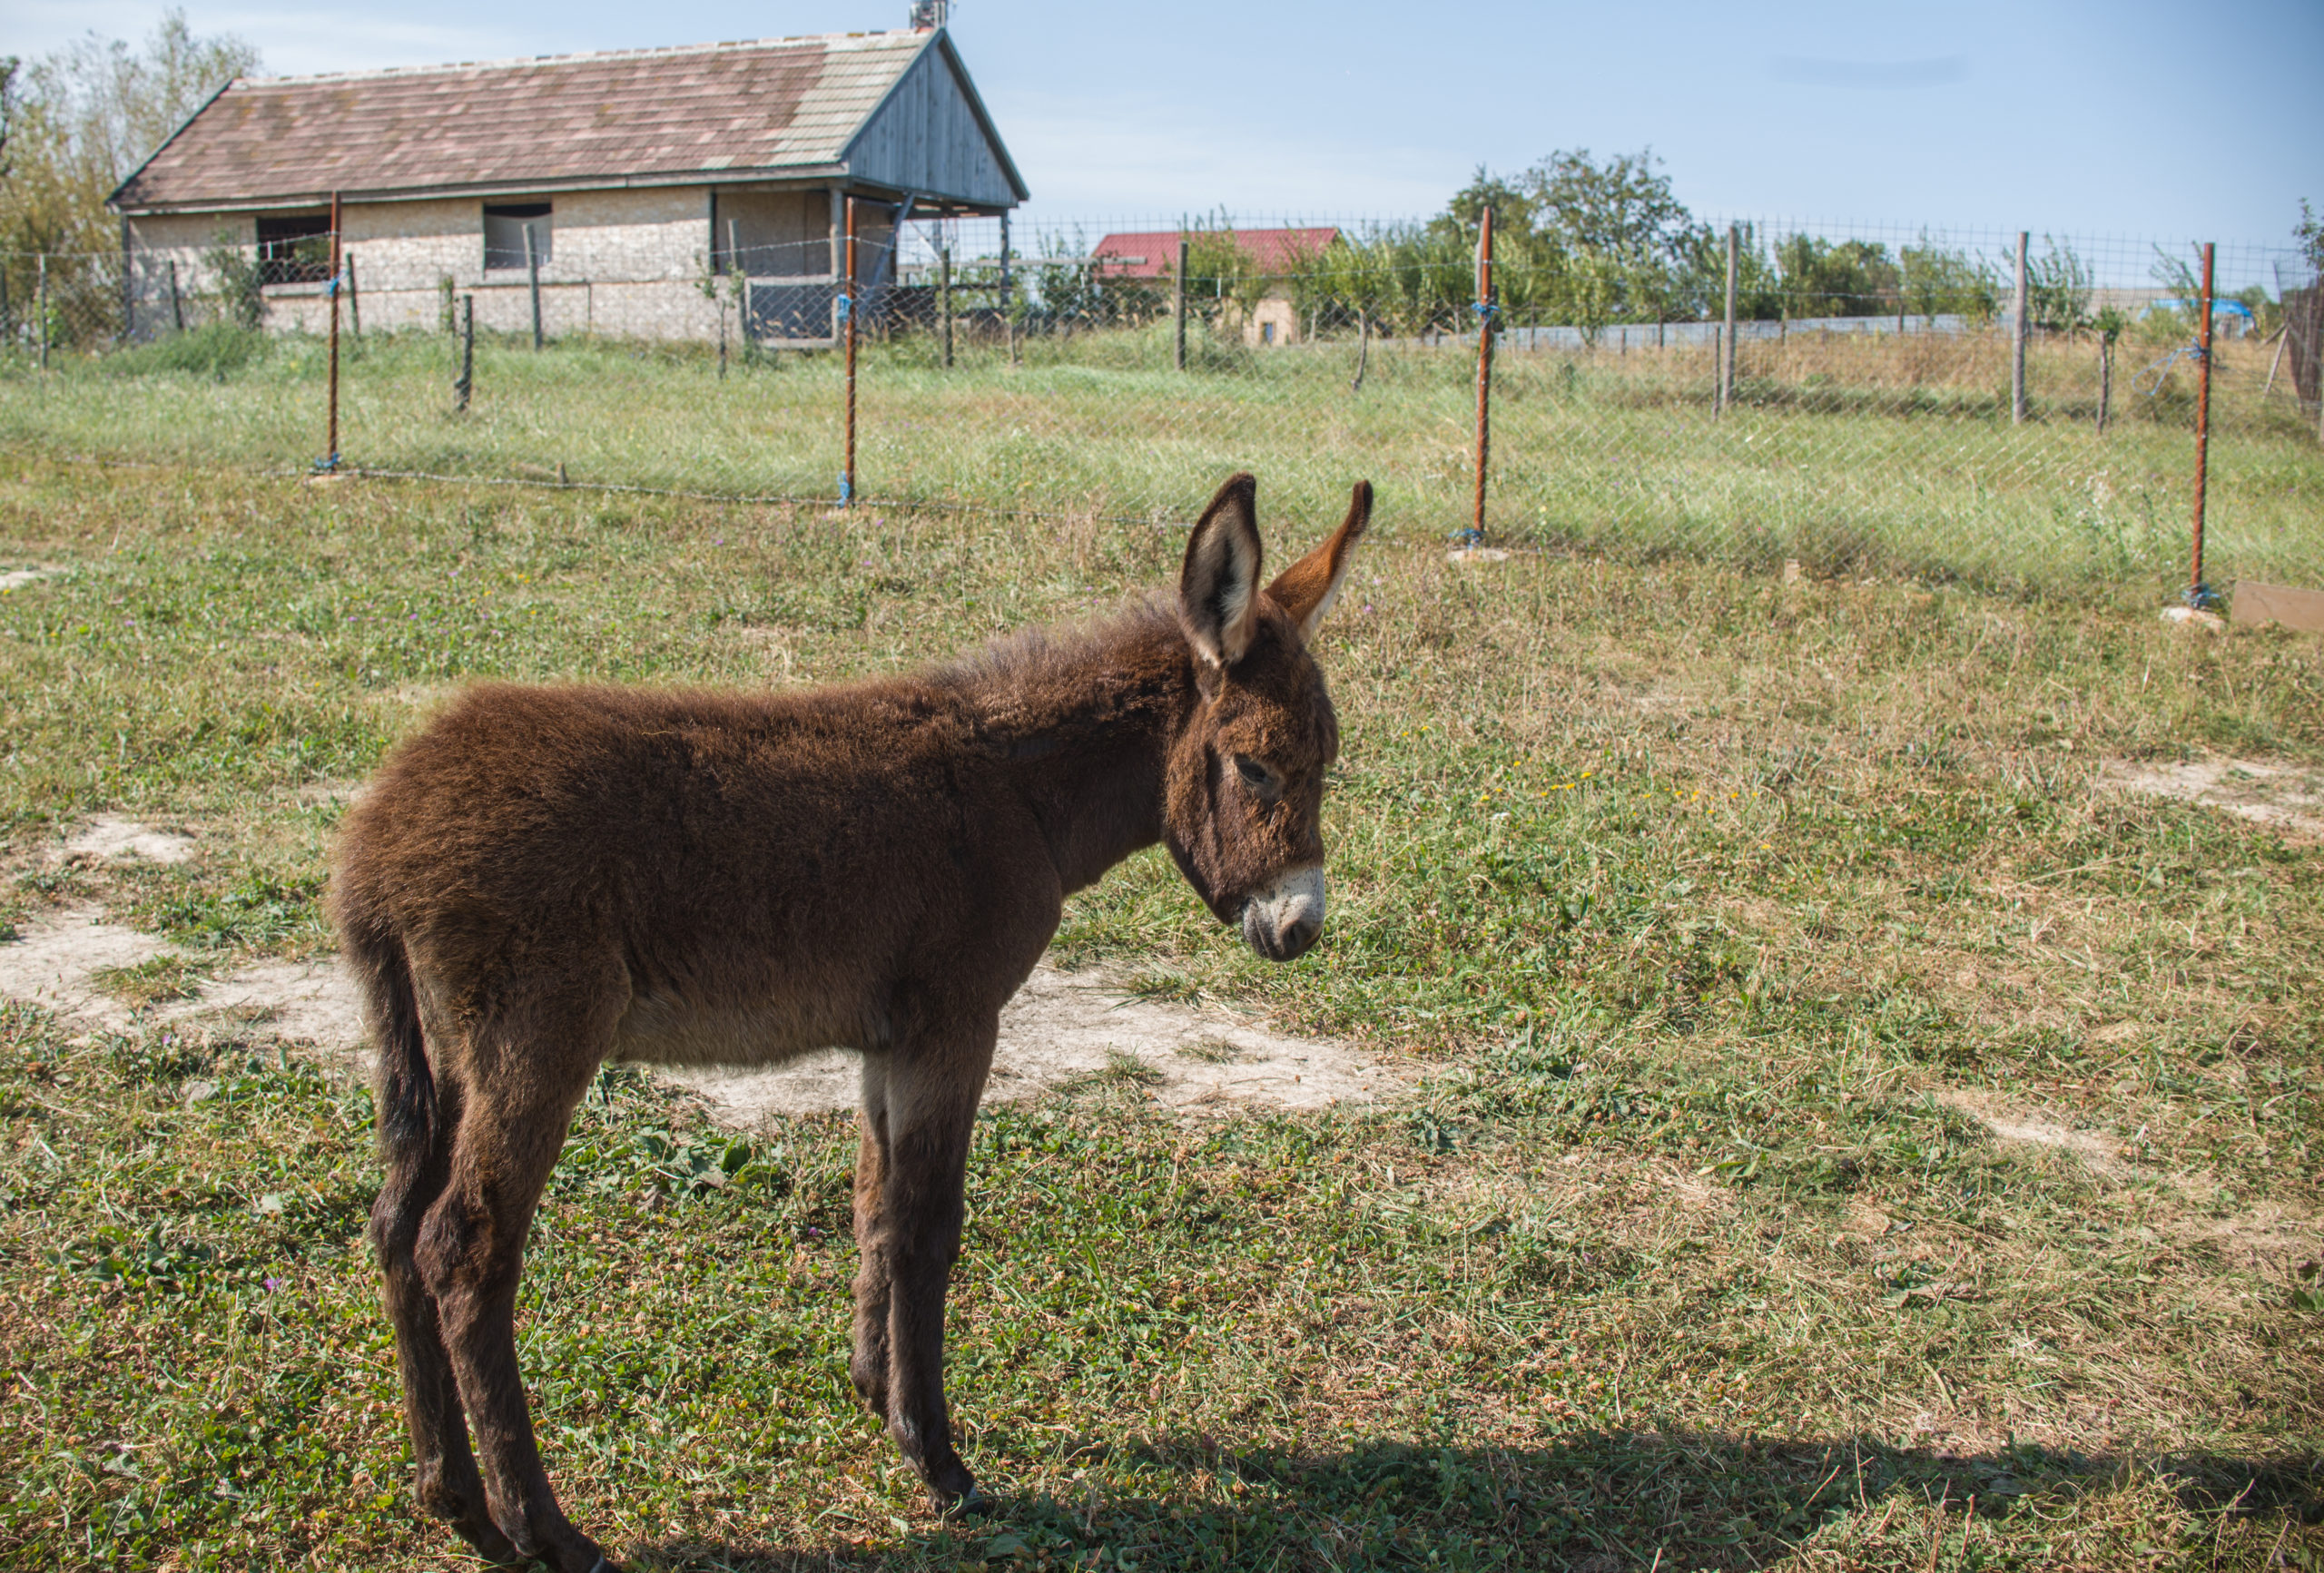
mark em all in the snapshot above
pixel 1011 669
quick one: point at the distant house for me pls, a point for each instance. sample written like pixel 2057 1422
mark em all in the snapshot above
pixel 1272 253
pixel 659 186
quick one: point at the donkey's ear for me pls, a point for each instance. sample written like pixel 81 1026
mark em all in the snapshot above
pixel 1306 589
pixel 1218 589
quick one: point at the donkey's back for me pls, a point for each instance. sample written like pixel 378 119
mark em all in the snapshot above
pixel 696 877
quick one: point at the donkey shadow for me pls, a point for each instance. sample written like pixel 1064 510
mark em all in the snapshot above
pixel 1604 1501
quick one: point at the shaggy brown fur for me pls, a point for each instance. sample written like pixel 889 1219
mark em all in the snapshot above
pixel 550 878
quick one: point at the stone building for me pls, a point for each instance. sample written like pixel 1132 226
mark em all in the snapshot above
pixel 657 189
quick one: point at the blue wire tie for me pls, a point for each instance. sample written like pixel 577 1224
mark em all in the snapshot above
pixel 846 489
pixel 2202 597
pixel 846 306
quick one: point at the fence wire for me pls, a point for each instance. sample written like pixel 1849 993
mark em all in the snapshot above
pixel 1866 414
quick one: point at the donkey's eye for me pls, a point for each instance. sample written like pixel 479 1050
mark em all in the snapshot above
pixel 1255 776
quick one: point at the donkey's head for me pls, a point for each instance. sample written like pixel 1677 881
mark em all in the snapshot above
pixel 1246 788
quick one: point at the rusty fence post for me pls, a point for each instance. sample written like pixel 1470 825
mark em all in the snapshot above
pixel 847 326
pixel 1484 309
pixel 330 461
pixel 2199 593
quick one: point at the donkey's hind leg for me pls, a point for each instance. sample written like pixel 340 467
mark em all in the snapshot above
pixel 471 1251
pixel 448 1483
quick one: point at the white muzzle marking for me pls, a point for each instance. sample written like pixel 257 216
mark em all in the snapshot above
pixel 1283 920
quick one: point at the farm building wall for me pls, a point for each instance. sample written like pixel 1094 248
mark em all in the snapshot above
pixel 628 263
pixel 925 137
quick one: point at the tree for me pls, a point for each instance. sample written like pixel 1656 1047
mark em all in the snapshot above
pixel 1941 281
pixel 2058 286
pixel 2309 233
pixel 1512 213
pixel 87 116
pixel 1221 274
pixel 79 121
pixel 1582 241
pixel 1623 207
pixel 8 67
pixel 1837 278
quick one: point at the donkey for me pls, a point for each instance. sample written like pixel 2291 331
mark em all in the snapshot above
pixel 550 878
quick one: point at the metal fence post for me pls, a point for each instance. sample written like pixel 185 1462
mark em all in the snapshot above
pixel 533 280
pixel 466 384
pixel 1178 308
pixel 944 299
pixel 177 301
pixel 40 307
pixel 354 300
pixel 1484 372
pixel 2199 594
pixel 331 440
pixel 1723 346
pixel 741 271
pixel 2017 341
pixel 847 321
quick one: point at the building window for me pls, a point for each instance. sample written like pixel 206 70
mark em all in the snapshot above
pixel 294 250
pixel 504 232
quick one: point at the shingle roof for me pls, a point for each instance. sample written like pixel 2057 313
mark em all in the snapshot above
pixel 1270 250
pixel 645 116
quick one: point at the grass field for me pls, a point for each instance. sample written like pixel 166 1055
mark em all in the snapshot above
pixel 1848 1136
pixel 1851 454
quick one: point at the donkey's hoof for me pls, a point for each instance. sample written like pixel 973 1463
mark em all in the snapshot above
pixel 579 1554
pixel 971 1503
pixel 475 1527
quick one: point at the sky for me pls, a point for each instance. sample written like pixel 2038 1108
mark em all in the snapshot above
pixel 2131 118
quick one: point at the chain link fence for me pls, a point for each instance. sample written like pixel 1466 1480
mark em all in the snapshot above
pixel 1883 403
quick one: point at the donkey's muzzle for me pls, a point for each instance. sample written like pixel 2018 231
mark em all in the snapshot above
pixel 1282 921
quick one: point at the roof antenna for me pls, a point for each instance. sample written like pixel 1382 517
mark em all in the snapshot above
pixel 927 15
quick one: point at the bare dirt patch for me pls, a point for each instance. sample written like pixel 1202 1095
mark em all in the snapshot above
pixel 310 1002
pixel 1068 1028
pixel 1062 1030
pixel 54 961
pixel 109 838
pixel 17 578
pixel 2284 797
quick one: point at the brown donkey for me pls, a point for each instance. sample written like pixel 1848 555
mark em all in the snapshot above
pixel 550 878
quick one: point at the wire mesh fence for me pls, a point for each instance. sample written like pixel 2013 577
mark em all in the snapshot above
pixel 1897 401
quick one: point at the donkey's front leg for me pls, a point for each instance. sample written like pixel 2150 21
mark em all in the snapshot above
pixel 928 1107
pixel 868 1368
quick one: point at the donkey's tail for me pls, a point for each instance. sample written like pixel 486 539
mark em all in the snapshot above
pixel 405 1089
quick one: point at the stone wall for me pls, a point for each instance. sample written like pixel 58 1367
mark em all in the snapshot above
pixel 622 263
